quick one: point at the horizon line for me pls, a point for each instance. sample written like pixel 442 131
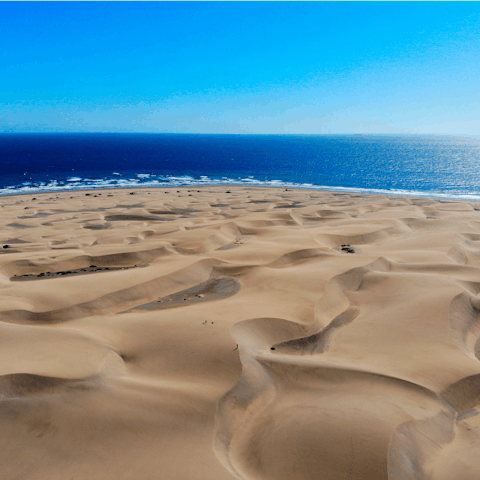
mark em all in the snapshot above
pixel 242 134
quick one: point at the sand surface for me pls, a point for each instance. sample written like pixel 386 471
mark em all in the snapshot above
pixel 254 333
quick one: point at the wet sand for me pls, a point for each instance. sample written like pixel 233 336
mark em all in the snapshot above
pixel 239 333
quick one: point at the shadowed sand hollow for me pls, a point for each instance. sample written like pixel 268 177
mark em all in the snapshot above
pixel 239 333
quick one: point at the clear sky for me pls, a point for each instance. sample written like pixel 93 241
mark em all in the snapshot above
pixel 240 67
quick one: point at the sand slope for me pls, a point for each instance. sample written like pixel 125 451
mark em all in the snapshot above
pixel 218 333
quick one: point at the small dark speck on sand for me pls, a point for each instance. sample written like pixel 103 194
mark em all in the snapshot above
pixel 6 246
pixel 348 249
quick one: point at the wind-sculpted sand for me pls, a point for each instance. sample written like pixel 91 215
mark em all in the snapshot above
pixel 239 333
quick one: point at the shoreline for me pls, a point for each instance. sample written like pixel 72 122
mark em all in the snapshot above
pixel 337 190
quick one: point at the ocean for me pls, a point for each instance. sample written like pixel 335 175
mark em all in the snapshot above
pixel 432 166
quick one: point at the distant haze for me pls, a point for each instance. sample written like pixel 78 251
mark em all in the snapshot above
pixel 234 67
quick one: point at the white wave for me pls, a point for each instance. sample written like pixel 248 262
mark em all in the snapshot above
pixel 142 180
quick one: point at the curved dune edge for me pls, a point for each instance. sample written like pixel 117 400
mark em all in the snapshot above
pixel 251 333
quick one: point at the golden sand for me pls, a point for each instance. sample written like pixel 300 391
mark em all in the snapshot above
pixel 230 332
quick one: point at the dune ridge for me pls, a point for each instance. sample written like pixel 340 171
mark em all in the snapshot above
pixel 239 332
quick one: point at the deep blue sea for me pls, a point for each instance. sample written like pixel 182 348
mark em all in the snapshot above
pixel 438 166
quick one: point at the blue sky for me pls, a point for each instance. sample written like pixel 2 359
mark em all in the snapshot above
pixel 240 67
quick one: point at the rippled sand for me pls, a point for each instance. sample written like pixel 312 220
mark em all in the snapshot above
pixel 233 332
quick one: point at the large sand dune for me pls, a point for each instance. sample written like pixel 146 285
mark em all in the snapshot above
pixel 219 333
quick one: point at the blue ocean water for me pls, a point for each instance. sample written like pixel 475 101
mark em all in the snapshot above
pixel 437 166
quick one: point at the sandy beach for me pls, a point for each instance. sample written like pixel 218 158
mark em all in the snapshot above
pixel 221 332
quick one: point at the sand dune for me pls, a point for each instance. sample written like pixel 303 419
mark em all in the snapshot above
pixel 233 332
